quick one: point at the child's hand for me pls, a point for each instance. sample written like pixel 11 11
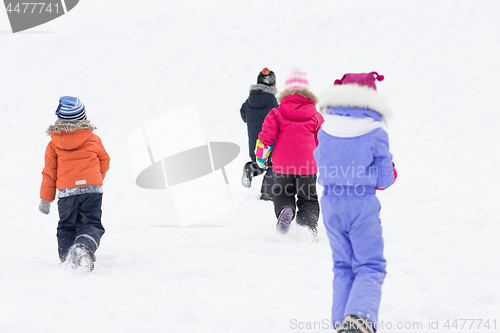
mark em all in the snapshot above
pixel 262 163
pixel 262 150
pixel 44 206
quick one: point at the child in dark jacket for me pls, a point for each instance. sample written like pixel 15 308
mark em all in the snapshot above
pixel 76 164
pixel 290 132
pixel 354 160
pixel 260 101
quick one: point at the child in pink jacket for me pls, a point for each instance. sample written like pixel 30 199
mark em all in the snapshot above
pixel 290 132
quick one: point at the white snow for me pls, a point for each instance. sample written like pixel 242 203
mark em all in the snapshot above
pixel 131 61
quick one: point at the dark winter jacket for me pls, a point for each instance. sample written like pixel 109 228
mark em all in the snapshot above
pixel 255 109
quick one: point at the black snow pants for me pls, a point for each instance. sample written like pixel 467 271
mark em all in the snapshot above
pixel 79 222
pixel 286 187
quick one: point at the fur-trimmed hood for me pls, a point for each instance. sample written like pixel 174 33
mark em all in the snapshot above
pixel 297 108
pixel 70 135
pixel 265 88
pixel 354 96
pixel 69 127
pixel 262 97
pixel 302 92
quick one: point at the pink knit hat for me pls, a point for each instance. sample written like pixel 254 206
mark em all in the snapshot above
pixel 362 79
pixel 297 80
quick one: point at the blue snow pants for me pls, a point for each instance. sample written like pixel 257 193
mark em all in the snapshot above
pixel 353 227
pixel 79 222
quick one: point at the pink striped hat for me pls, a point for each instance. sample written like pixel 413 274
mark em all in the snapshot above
pixel 297 80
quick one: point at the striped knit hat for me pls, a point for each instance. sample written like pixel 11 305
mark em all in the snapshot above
pixel 297 80
pixel 71 108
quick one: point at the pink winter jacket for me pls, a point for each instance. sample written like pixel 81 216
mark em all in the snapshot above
pixel 293 128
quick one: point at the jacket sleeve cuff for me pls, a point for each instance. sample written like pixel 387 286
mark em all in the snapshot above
pixel 395 176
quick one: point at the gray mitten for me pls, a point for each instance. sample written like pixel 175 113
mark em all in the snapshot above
pixel 44 206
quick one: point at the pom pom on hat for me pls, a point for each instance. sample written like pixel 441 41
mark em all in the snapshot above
pixel 266 77
pixel 361 79
pixel 71 108
pixel 297 80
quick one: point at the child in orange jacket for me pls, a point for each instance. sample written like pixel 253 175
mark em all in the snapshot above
pixel 76 164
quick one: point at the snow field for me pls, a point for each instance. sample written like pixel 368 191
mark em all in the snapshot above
pixel 129 61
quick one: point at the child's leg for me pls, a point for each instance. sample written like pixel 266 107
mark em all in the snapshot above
pixel 268 181
pixel 283 192
pixel 66 228
pixel 250 170
pixel 307 201
pixel 368 263
pixel 343 278
pixel 89 227
pixel 254 168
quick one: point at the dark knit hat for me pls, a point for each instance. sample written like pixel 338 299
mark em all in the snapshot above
pixel 266 77
pixel 71 108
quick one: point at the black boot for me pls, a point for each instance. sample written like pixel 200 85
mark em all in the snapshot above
pixel 355 324
pixel 266 197
pixel 246 178
pixel 80 258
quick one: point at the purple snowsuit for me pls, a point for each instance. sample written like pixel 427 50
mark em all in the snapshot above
pixel 353 159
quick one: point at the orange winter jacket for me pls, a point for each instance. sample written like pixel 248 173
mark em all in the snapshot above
pixel 75 157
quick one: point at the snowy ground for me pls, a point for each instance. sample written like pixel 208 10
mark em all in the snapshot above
pixel 130 61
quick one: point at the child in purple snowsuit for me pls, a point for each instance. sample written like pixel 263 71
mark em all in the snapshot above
pixel 353 159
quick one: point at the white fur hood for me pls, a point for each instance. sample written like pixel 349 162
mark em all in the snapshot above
pixel 354 96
